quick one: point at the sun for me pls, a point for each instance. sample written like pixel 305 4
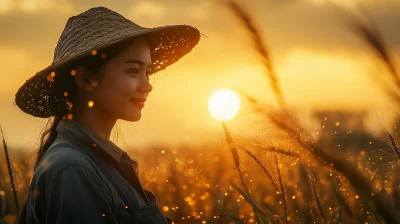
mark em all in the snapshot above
pixel 224 104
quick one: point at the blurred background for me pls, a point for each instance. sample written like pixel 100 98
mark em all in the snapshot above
pixel 328 76
pixel 321 65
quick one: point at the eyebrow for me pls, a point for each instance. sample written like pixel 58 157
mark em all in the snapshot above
pixel 137 62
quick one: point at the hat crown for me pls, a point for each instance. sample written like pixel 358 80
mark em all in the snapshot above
pixel 43 95
pixel 94 27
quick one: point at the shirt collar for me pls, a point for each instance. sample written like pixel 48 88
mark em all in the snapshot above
pixel 79 131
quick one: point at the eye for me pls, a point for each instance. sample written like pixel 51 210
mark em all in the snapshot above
pixel 134 71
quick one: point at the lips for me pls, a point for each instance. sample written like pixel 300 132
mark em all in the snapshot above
pixel 138 101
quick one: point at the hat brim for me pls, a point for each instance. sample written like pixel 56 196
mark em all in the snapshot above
pixel 169 43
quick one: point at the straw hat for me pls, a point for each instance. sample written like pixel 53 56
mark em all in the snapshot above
pixel 86 34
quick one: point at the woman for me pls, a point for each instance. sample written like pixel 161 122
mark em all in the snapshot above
pixel 100 73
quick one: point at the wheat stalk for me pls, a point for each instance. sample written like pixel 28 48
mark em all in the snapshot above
pixel 394 145
pixel 237 220
pixel 10 170
pixel 262 166
pixel 361 183
pixel 282 189
pixel 260 47
pixel 314 191
pixel 370 34
pixel 236 160
pixel 281 151
pixel 254 205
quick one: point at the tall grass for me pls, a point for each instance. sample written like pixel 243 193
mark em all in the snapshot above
pixel 367 31
pixel 378 201
pixel 10 173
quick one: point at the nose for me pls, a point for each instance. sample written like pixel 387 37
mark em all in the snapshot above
pixel 145 86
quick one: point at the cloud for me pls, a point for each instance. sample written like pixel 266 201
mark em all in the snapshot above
pixel 199 11
pixel 33 6
pixel 158 12
pixel 17 66
pixel 148 9
pixel 322 26
pixel 5 6
pixel 351 5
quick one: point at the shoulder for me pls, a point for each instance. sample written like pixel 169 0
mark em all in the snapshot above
pixel 62 156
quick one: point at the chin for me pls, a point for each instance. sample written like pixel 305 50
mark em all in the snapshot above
pixel 132 117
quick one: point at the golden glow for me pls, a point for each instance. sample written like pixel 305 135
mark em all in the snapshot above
pixel 52 74
pixel 49 78
pixel 65 93
pixel 94 52
pixel 224 104
pixel 90 103
pixel 70 116
pixel 95 84
pixel 73 72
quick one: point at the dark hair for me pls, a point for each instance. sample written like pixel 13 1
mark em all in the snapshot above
pixel 66 83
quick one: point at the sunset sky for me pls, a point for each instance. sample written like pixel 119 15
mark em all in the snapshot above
pixel 320 63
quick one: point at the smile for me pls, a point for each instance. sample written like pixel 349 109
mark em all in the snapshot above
pixel 137 103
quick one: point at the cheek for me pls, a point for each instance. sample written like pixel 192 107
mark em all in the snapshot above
pixel 114 94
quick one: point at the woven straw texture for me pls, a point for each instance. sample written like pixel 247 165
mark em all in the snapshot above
pixel 91 30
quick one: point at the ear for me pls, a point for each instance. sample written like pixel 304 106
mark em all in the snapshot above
pixel 84 78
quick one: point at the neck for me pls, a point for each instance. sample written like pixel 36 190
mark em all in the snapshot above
pixel 98 122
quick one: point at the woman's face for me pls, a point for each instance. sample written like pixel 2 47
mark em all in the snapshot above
pixel 125 82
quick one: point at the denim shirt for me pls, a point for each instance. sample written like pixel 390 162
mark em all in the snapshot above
pixel 83 178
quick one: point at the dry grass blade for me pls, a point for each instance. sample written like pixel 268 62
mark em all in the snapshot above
pixel 388 137
pixel 282 188
pixel 358 180
pixel 393 145
pixel 260 46
pixel 9 169
pixel 263 168
pixel 372 37
pixel 281 151
pixel 236 160
pixel 314 192
pixel 254 205
pixel 231 145
pixel 233 217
